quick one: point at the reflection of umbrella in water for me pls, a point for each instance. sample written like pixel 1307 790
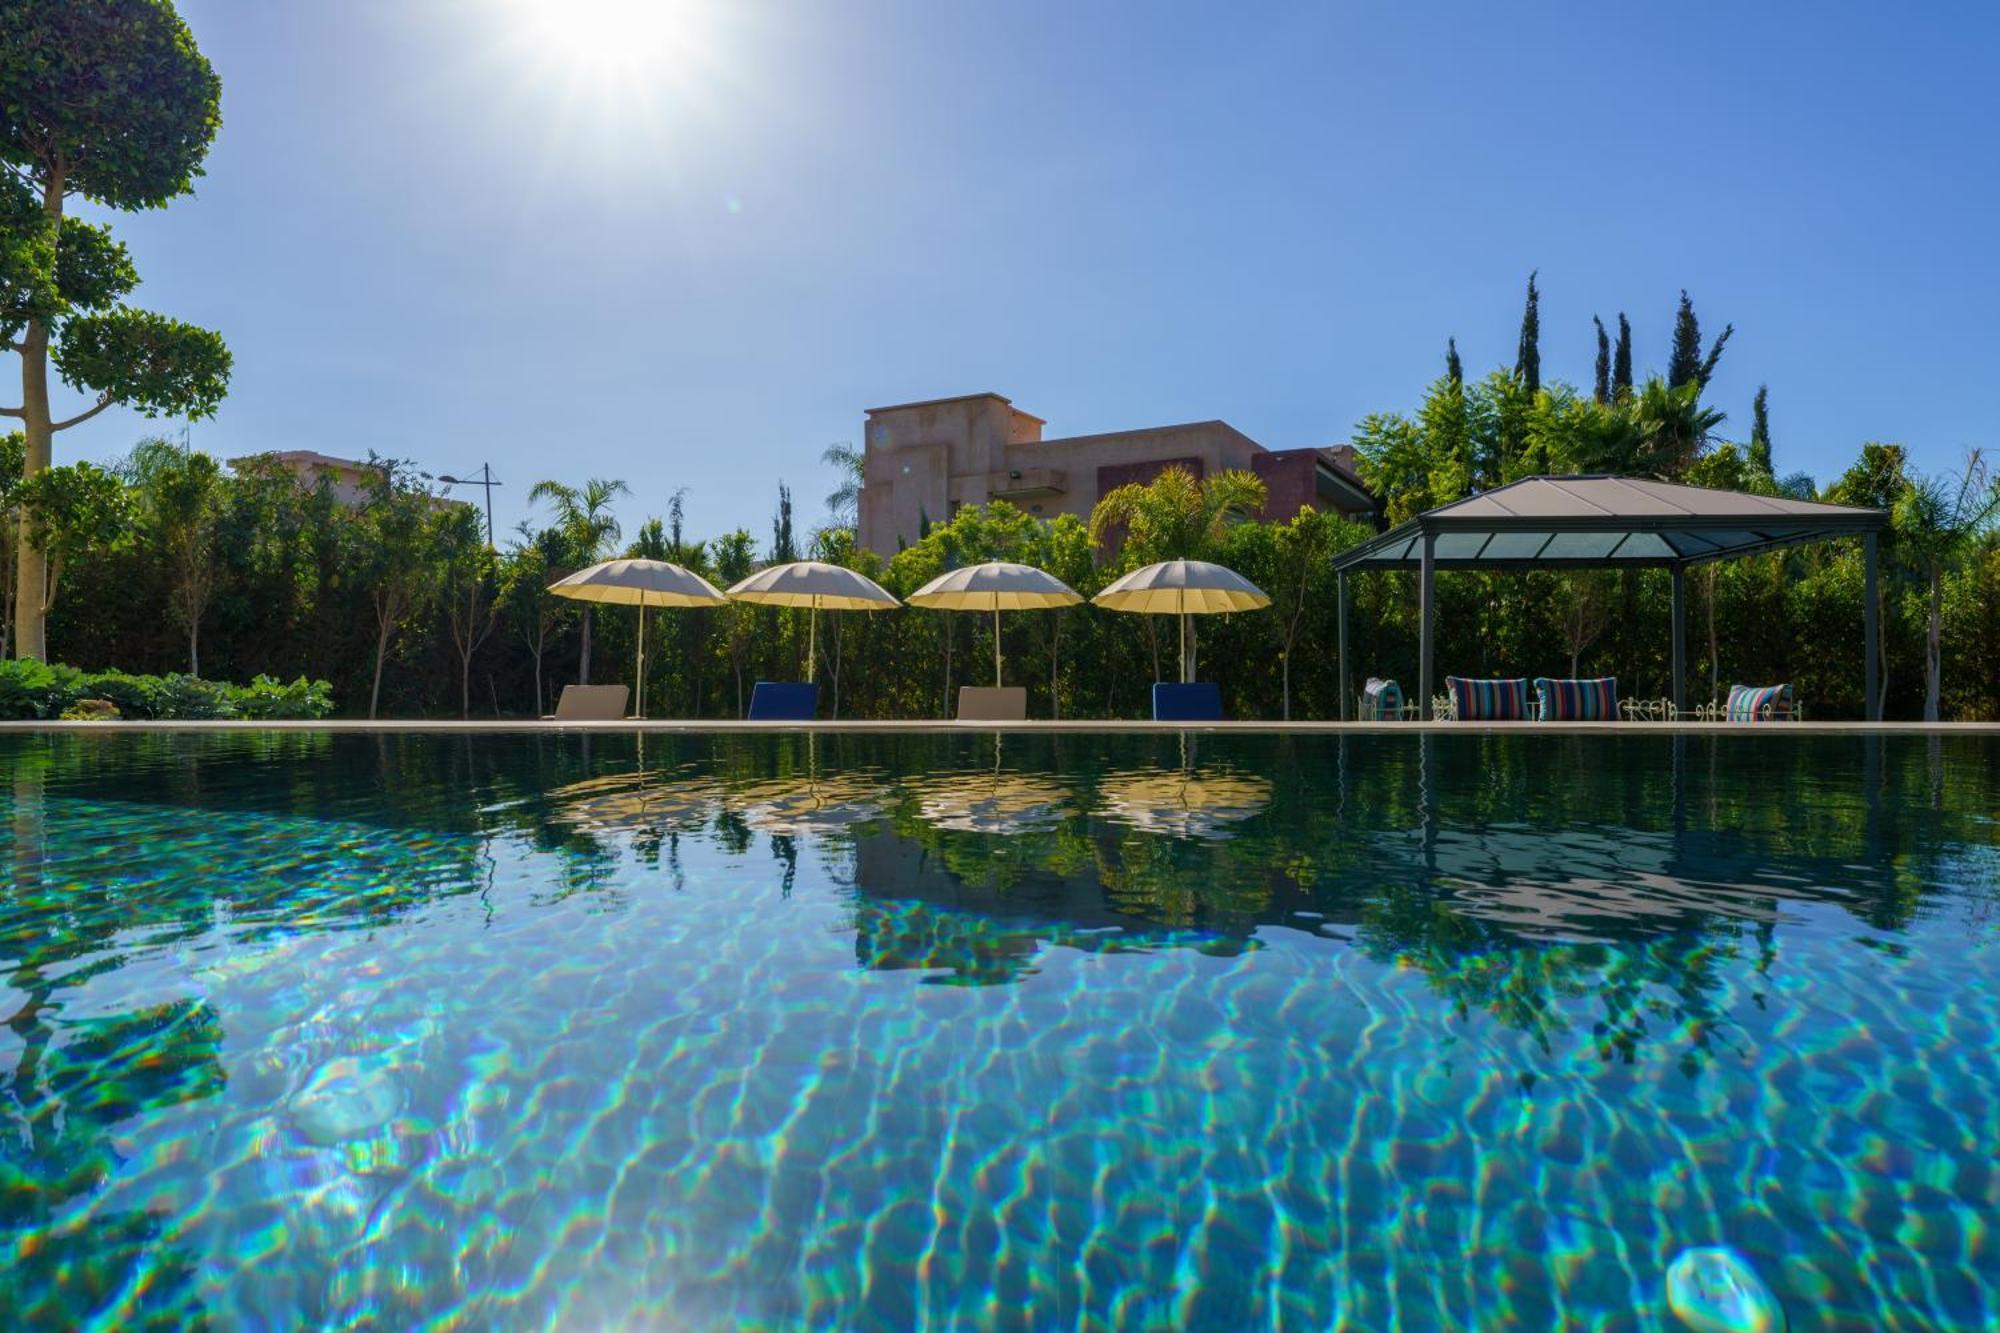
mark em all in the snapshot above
pixel 994 802
pixel 1183 802
pixel 809 805
pixel 633 803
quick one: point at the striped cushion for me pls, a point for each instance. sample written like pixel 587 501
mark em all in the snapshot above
pixel 1567 700
pixel 1381 699
pixel 1488 700
pixel 1758 703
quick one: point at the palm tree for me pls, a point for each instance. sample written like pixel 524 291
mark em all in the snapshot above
pixel 589 534
pixel 843 502
pixel 1673 426
pixel 1175 517
pixel 1937 521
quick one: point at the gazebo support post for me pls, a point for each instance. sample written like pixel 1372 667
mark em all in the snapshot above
pixel 1871 634
pixel 1679 690
pixel 1340 598
pixel 1427 609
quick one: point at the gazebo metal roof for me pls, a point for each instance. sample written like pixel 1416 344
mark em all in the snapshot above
pixel 1602 521
pixel 1605 522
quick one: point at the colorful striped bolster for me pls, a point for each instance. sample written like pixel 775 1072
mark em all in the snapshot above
pixel 1758 703
pixel 1504 700
pixel 1572 700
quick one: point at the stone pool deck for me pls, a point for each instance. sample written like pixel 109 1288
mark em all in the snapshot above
pixel 1136 726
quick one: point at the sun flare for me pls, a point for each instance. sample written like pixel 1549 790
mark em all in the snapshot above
pixel 607 38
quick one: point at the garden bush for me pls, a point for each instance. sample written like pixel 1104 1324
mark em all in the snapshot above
pixel 32 691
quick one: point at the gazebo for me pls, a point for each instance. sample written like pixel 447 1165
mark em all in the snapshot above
pixel 1602 522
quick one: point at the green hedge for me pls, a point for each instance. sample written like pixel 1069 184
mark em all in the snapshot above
pixel 31 690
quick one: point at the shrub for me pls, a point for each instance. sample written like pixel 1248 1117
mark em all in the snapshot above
pixel 184 698
pixel 135 696
pixel 31 689
pixel 91 710
pixel 269 699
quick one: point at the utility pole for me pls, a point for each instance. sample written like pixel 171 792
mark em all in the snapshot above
pixel 484 479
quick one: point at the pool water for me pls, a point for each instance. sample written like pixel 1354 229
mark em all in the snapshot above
pixel 942 1030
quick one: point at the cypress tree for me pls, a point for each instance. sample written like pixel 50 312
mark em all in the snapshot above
pixel 1684 364
pixel 1603 387
pixel 1528 361
pixel 1621 360
pixel 1453 369
pixel 1714 355
pixel 784 547
pixel 1760 430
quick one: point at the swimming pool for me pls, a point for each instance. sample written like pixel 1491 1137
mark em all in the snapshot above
pixel 939 1029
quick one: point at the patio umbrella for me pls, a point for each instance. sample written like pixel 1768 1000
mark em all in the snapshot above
pixel 1183 588
pixel 640 583
pixel 995 586
pixel 818 586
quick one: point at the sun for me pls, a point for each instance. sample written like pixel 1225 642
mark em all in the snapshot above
pixel 614 39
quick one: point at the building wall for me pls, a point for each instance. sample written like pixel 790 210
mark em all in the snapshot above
pixel 924 460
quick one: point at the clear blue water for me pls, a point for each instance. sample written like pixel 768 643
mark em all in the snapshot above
pixel 851 1031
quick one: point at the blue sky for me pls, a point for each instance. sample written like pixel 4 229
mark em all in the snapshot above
pixel 432 231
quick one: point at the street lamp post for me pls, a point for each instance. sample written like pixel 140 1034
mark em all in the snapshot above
pixel 484 479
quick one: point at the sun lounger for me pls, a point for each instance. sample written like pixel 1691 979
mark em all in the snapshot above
pixel 591 703
pixel 784 701
pixel 992 703
pixel 1200 701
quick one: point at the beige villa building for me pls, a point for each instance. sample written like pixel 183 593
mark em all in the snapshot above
pixel 925 460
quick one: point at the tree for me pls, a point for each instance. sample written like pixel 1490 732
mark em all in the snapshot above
pixel 843 502
pixel 109 101
pixel 1454 369
pixel 1760 431
pixel 1938 520
pixel 181 496
pixel 1303 549
pixel 587 533
pixel 529 607
pixel 1587 613
pixel 467 566
pixel 399 571
pixel 1673 427
pixel 1528 358
pixel 1175 517
pixel 1602 388
pixel 1621 361
pixel 70 513
pixel 1686 364
pixel 735 558
pixel 784 546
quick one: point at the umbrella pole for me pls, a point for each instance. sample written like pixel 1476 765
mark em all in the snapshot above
pixel 812 640
pixel 1186 675
pixel 639 669
pixel 996 645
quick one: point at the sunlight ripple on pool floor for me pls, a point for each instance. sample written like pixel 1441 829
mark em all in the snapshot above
pixel 893 1032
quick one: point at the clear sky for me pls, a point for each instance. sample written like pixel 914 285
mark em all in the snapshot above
pixel 690 244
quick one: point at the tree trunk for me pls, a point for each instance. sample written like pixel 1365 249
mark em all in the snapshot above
pixel 194 647
pixel 381 652
pixel 1934 646
pixel 31 569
